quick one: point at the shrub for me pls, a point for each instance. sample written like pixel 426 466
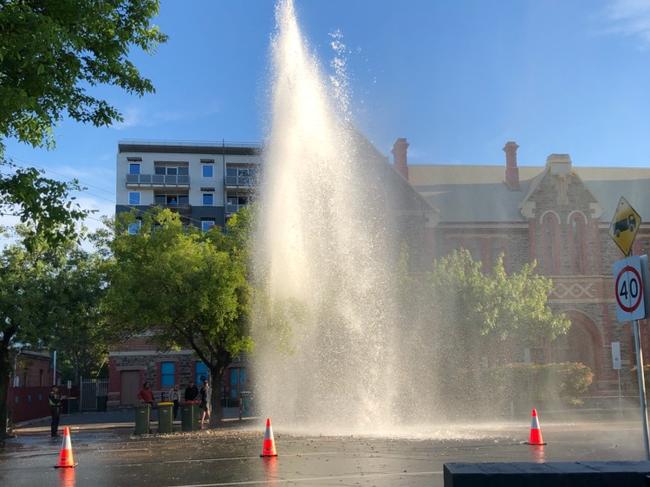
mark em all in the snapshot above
pixel 558 384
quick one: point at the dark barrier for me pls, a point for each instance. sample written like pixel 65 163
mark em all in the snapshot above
pixel 556 474
pixel 28 403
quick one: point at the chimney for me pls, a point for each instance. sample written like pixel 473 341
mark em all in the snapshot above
pixel 399 157
pixel 512 171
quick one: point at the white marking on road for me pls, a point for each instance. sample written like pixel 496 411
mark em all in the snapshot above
pixel 121 450
pixel 316 479
pixel 251 458
pixel 227 459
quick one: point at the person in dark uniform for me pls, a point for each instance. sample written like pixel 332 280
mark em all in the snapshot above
pixel 55 401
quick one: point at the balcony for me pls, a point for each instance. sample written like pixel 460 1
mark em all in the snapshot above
pixel 157 180
pixel 182 209
pixel 239 182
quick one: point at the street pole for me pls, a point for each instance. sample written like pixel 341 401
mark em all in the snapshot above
pixel 54 369
pixel 620 398
pixel 641 377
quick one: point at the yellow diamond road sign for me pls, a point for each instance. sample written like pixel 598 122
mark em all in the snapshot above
pixel 624 226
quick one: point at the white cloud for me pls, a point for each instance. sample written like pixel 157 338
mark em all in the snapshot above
pixel 137 116
pixel 132 118
pixel 630 18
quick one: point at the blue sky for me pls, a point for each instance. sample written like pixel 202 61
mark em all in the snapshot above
pixel 457 78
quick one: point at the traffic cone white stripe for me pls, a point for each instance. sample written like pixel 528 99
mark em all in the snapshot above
pixel 66 457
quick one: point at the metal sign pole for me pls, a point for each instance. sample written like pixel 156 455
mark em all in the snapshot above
pixel 620 398
pixel 641 377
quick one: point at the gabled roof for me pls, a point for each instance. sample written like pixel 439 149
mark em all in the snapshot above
pixel 477 193
pixel 399 194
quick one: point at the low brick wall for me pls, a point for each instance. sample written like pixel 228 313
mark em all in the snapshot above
pixel 28 403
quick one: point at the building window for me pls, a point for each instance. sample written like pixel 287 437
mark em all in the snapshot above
pixel 201 372
pixel 171 170
pixel 208 199
pixel 207 225
pixel 134 168
pixel 173 199
pixel 550 251
pixel 167 374
pixel 577 233
pixel 134 198
pixel 134 227
pixel 240 176
pixel 237 381
pixel 208 170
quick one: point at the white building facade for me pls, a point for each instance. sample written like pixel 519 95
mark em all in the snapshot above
pixel 204 182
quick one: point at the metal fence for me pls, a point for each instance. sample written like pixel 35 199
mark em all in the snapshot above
pixel 93 394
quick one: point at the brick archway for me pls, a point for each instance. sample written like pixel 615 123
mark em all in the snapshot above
pixel 583 343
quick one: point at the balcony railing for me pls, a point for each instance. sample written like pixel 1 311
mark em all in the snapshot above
pixel 157 180
pixel 182 208
pixel 240 181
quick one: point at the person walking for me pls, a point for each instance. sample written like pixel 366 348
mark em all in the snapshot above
pixel 175 397
pixel 55 401
pixel 205 402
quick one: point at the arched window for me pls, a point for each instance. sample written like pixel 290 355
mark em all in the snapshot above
pixel 578 242
pixel 550 252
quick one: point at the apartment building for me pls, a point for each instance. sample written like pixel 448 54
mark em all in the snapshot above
pixel 204 182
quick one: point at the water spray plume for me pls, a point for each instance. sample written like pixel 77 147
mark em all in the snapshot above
pixel 324 317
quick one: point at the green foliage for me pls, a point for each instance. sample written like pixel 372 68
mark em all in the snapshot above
pixel 189 287
pixel 459 311
pixel 42 202
pixel 53 51
pixel 80 335
pixel 467 321
pixel 495 305
pixel 515 388
pixel 26 290
pixel 554 383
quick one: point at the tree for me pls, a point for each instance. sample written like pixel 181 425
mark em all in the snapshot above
pixel 42 202
pixel 495 306
pixel 188 287
pixel 26 290
pixel 463 319
pixel 80 335
pixel 52 52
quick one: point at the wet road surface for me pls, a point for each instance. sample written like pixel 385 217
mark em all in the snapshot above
pixel 230 457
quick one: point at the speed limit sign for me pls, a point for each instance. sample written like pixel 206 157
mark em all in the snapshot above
pixel 629 288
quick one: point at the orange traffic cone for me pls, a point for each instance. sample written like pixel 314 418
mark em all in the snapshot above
pixel 66 458
pixel 535 431
pixel 268 447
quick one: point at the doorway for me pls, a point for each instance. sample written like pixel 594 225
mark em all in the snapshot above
pixel 130 383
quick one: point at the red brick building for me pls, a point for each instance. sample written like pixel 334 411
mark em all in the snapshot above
pixel 138 360
pixel 557 214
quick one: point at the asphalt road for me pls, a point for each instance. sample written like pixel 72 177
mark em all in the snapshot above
pixel 230 457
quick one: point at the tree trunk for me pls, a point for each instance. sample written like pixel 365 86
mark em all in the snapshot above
pixel 5 376
pixel 215 395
